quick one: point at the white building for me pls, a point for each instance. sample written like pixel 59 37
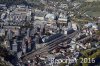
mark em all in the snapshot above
pixel 50 16
pixel 74 26
pixel 63 6
pixel 3 6
pixel 2 32
pixel 18 13
pixel 92 25
pixel 39 15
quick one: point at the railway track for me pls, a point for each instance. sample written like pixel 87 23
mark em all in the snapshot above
pixel 48 47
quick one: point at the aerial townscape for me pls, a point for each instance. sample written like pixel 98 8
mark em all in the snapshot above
pixel 49 32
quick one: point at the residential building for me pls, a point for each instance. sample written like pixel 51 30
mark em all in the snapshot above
pixel 18 13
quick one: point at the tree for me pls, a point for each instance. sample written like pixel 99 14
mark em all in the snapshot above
pixel 97 32
pixel 62 64
pixel 3 63
pixel 94 56
pixel 8 56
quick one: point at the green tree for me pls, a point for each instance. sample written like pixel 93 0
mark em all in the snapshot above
pixel 62 64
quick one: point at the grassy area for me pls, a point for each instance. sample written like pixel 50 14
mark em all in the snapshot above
pixel 91 8
pixel 95 14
